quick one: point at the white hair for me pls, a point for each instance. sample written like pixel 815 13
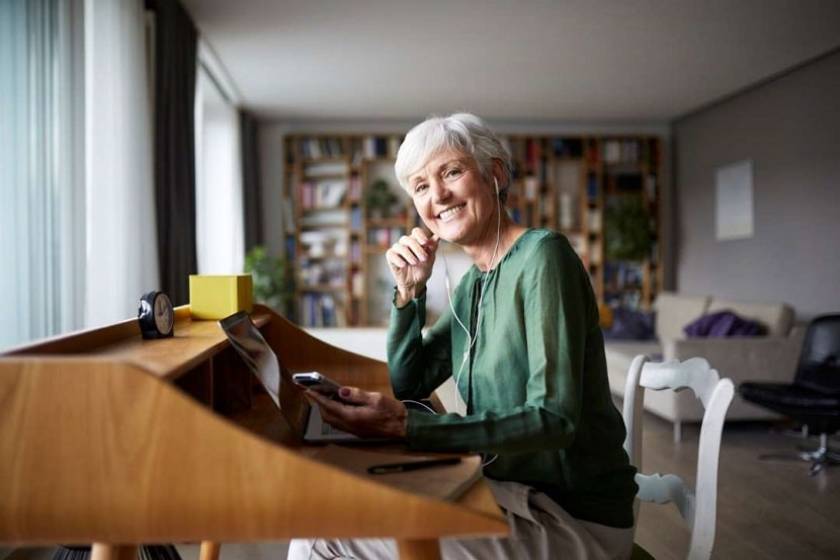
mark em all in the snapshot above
pixel 460 131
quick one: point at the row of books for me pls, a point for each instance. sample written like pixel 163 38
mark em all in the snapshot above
pixel 384 237
pixel 326 272
pixel 357 284
pixel 322 194
pixel 356 218
pixel 368 147
pixel 532 150
pixel 623 275
pixel 356 252
pixel 628 151
pixel 321 310
pixel 380 146
pixel 316 148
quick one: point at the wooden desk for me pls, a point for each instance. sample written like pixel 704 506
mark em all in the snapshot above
pixel 108 438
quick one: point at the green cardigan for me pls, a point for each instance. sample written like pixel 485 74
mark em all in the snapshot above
pixel 535 382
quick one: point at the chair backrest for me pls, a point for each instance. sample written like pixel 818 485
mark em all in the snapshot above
pixel 698 507
pixel 819 361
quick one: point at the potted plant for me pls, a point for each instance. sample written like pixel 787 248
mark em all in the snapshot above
pixel 627 230
pixel 380 199
pixel 272 279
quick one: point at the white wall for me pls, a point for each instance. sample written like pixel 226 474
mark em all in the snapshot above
pixel 790 129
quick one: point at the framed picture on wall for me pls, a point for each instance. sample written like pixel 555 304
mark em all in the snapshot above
pixel 734 200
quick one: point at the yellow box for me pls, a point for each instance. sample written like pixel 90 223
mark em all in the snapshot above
pixel 216 297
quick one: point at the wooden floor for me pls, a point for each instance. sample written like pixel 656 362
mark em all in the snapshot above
pixel 765 509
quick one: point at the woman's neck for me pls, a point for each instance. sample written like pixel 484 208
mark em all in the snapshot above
pixel 482 253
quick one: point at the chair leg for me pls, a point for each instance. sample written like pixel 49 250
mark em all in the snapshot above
pixel 677 431
pixel 819 458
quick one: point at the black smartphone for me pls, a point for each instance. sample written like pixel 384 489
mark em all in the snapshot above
pixel 317 382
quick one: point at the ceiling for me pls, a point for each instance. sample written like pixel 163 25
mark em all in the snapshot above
pixel 604 60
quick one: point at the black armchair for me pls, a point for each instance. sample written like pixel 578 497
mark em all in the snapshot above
pixel 814 396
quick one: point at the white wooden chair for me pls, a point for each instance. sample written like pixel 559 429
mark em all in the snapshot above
pixel 698 507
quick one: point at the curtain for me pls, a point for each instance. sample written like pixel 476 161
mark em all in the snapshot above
pixel 42 228
pixel 121 250
pixel 219 214
pixel 175 75
pixel 251 188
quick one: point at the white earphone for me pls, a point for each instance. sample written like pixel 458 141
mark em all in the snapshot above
pixel 470 338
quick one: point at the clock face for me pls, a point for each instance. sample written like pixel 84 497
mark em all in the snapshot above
pixel 164 315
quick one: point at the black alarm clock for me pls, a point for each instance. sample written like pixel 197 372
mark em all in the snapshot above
pixel 156 315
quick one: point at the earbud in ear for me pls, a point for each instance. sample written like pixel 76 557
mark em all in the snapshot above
pixel 496 183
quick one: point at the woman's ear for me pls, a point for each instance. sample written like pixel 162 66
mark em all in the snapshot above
pixel 499 175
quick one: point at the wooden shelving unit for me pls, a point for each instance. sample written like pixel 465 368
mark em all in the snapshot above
pixel 565 183
pixel 332 263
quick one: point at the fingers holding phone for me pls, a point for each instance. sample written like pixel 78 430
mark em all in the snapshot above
pixel 364 413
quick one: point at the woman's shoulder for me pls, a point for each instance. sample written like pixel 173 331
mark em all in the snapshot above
pixel 544 243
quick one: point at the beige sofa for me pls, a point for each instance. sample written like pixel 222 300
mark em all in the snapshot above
pixel 765 358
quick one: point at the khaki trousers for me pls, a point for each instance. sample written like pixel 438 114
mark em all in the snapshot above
pixel 539 529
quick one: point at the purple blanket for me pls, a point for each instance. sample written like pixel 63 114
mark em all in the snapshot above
pixel 722 324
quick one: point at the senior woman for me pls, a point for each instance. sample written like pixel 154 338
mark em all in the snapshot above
pixel 521 339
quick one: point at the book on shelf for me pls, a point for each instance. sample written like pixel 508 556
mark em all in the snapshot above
pixel 532 153
pixel 322 193
pixel 356 252
pixel 592 189
pixel 356 218
pixel 380 146
pixel 288 215
pixel 322 272
pixel 623 275
pixel 354 191
pixel 568 211
pixel 314 170
pixel 393 146
pixel 595 252
pixel 621 151
pixel 384 237
pixel 566 147
pixel 532 188
pixel 357 284
pixel 594 220
pixel 321 310
pixel 317 148
pixel 322 243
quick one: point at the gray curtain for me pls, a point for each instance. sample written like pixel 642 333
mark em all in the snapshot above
pixel 176 45
pixel 251 188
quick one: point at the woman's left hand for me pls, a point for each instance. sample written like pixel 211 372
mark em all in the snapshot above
pixel 362 413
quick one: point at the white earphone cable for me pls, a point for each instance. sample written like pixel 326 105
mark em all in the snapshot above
pixel 471 340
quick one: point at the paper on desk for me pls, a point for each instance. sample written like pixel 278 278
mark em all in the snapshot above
pixel 444 482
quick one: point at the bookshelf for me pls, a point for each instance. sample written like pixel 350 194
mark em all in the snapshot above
pixel 566 183
pixel 333 238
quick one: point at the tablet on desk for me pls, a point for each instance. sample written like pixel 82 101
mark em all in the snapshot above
pixel 249 343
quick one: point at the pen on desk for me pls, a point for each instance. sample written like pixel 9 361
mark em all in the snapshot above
pixel 412 465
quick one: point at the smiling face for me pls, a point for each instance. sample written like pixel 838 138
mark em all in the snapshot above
pixel 453 199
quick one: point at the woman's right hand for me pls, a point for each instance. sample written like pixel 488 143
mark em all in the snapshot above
pixel 410 260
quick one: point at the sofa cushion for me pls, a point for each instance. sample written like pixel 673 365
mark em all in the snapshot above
pixel 674 311
pixel 723 324
pixel 777 317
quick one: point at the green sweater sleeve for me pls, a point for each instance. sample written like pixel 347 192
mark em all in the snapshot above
pixel 554 297
pixel 417 364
